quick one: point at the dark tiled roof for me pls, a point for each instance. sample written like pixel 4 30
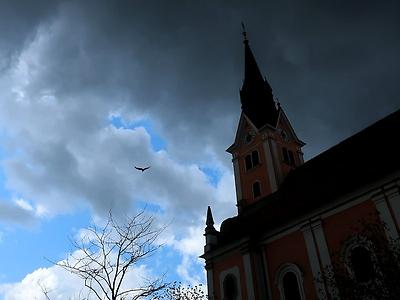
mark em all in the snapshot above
pixel 357 161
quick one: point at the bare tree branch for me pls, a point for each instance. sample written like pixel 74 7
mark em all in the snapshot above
pixel 105 256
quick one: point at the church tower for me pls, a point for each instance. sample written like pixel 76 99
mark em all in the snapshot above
pixel 294 215
pixel 266 147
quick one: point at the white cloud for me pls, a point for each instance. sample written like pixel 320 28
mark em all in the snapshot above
pixel 61 284
pixel 24 204
pixel 57 95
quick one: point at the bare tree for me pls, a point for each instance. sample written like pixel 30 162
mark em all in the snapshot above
pixel 177 291
pixel 104 257
pixel 44 290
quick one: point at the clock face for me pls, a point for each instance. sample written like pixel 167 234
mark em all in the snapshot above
pixel 249 137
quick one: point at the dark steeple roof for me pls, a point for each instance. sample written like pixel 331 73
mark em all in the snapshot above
pixel 256 94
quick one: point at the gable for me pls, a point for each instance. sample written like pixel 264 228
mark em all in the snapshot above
pixel 245 127
pixel 284 125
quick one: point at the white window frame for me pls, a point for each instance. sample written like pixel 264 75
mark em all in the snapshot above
pixel 235 273
pixel 282 271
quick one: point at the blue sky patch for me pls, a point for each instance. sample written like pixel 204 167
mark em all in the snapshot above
pixel 24 250
pixel 157 142
pixel 149 207
pixel 213 175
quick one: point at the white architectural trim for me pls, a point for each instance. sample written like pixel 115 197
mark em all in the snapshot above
pixel 289 268
pixel 236 274
pixel 321 243
pixel 270 166
pixel 393 197
pixel 266 270
pixel 314 262
pixel 210 284
pixel 276 160
pixel 324 255
pixel 236 172
pixel 385 216
pixel 249 276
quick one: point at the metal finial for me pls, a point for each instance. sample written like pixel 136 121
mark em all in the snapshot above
pixel 244 32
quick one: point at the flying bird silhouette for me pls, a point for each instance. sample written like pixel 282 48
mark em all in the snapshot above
pixel 142 169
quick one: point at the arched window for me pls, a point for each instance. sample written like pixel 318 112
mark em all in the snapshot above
pixel 359 259
pixel 255 158
pixel 229 283
pixel 361 264
pixel 288 156
pixel 291 286
pixel 248 162
pixel 256 189
pixel 290 282
pixel 252 160
pixel 230 287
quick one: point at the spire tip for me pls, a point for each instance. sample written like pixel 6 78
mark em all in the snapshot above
pixel 245 40
pixel 210 220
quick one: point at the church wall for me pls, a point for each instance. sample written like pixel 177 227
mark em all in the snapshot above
pixel 346 223
pixel 289 249
pixel 257 173
pixel 230 263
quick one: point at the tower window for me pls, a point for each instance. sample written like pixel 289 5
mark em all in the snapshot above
pixel 288 156
pixel 291 157
pixel 249 163
pixel 255 158
pixel 256 189
pixel 252 160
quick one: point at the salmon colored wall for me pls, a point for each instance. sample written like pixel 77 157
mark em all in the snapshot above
pixel 289 249
pixel 231 261
pixel 291 145
pixel 258 173
pixel 342 225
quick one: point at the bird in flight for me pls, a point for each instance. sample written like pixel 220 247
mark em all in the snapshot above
pixel 142 169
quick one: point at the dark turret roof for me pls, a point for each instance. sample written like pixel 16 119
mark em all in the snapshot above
pixel 209 222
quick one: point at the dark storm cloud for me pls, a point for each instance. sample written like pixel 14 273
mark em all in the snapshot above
pixel 329 63
pixel 18 23
pixel 333 67
pixel 15 214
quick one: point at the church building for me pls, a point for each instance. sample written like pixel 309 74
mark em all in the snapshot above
pixel 293 216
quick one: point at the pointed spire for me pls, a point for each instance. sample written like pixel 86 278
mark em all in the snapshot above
pixel 210 221
pixel 256 94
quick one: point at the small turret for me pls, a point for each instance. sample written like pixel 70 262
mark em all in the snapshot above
pixel 210 232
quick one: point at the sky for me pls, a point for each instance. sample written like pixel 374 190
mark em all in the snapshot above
pixel 88 89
